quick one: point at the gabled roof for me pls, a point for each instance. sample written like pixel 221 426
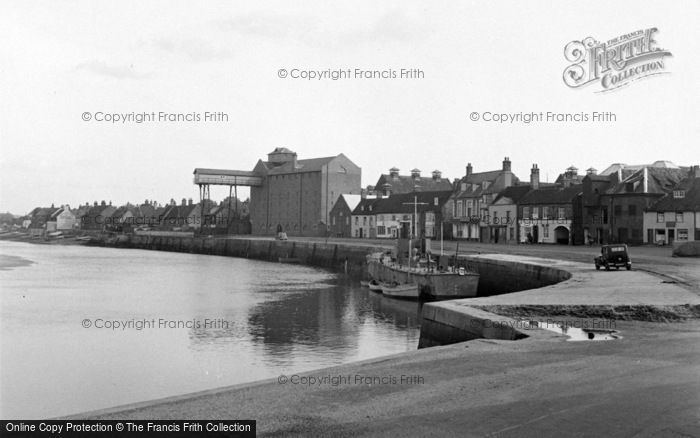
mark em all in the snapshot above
pixel 402 203
pixel 514 193
pixel 690 202
pixel 406 183
pixel 551 195
pixel 495 178
pixel 635 167
pixel 365 206
pixel 658 181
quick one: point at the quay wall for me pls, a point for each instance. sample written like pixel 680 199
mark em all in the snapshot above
pixel 339 257
pixel 442 323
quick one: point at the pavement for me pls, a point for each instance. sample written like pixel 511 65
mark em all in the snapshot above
pixel 647 383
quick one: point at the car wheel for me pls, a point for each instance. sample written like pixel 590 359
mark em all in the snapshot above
pixel 629 267
pixel 617 268
pixel 607 268
pixel 597 267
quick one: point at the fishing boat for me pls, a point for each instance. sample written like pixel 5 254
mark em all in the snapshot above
pixel 408 290
pixel 375 286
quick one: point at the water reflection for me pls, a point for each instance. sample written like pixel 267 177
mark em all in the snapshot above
pixel 265 319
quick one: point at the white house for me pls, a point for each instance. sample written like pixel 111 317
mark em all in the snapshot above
pixel 65 219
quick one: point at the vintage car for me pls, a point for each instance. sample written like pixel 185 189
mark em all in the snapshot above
pixel 613 256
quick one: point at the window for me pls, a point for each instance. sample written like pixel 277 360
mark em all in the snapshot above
pixel 632 210
pixel 393 217
pixel 679 194
pixel 682 234
pixel 435 201
pixel 347 220
pixel 459 209
pixel 357 220
pixel 333 220
pixel 618 210
pixel 364 220
pixel 508 217
pixel 660 218
pixel 561 213
pixel 526 212
pixel 679 216
pixel 545 212
pixel 381 230
pixel 535 212
pixel 545 231
pixel 604 212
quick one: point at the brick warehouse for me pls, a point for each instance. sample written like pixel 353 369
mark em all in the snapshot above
pixel 297 196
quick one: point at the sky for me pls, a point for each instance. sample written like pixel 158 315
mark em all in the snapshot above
pixel 61 60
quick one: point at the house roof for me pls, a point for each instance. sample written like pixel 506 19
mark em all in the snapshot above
pixel 634 167
pixel 514 193
pixel 406 183
pixel 495 178
pixel 402 203
pixel 551 195
pixel 365 206
pixel 659 181
pixel 690 202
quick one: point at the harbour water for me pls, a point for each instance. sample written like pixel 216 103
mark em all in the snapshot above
pixel 86 328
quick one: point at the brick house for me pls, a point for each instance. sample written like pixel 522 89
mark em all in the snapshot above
pixel 676 215
pixel 341 215
pixel 466 211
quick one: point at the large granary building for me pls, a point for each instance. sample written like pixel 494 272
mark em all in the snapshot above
pixel 296 196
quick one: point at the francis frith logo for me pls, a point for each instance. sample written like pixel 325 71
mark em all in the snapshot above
pixel 614 63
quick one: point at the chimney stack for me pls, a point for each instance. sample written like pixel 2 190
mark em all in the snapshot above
pixel 506 164
pixel 694 171
pixel 189 201
pixel 535 177
pixel 394 172
pixel 184 201
pixel 591 171
pixel 415 173
pixel 437 175
pixel 469 169
pixel 103 203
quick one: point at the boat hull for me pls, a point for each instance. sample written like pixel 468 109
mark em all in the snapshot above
pixel 407 291
pixel 433 285
pixel 374 286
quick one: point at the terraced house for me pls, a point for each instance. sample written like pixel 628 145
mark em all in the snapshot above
pixel 675 217
pixel 614 201
pixel 467 210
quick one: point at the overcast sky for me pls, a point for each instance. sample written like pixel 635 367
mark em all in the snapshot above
pixel 60 59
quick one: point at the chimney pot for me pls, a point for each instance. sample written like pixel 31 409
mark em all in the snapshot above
pixel 506 164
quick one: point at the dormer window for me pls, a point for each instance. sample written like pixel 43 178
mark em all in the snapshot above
pixel 678 194
pixel 464 187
